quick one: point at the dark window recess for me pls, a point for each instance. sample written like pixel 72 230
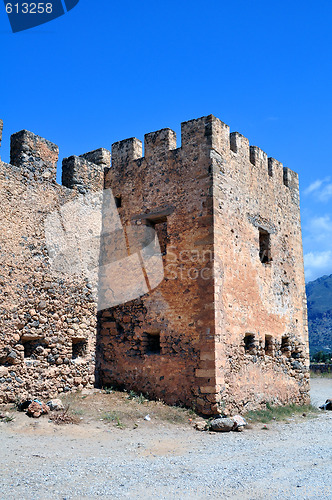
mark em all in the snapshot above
pixel 79 348
pixel 118 201
pixel 249 343
pixel 296 354
pixel 268 347
pixel 153 343
pixel 160 226
pixel 264 246
pixel 32 348
pixel 285 345
pixel 119 328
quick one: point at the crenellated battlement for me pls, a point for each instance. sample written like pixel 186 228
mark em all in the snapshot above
pixel 36 158
pixel 126 151
pixel 39 157
pixel 99 156
pixel 197 137
pixel 200 271
pixel 34 154
pixel 159 143
pixel 83 175
pixel 258 157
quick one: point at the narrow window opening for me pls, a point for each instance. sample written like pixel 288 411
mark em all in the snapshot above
pixel 118 201
pixel 119 328
pixel 285 345
pixel 33 348
pixel 153 343
pixel 268 347
pixel 249 343
pixel 264 246
pixel 233 142
pixel 160 226
pixel 79 348
pixel 285 177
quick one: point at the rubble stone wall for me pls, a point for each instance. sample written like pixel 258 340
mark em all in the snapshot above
pixel 225 326
pixel 236 338
pixel 262 352
pixel 170 189
pixel 47 319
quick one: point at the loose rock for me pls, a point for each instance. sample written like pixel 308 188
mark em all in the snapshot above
pixel 327 405
pixel 36 409
pixel 55 404
pixel 222 424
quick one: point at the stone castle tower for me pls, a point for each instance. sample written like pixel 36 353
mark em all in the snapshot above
pixel 226 327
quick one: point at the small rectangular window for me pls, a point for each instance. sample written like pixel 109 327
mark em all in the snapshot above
pixel 249 343
pixel 285 345
pixel 268 347
pixel 79 348
pixel 33 348
pixel 118 201
pixel 264 246
pixel 160 226
pixel 153 343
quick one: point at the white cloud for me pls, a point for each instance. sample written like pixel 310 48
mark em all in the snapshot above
pixel 321 189
pixel 317 263
pixel 313 186
pixel 320 227
pixel 317 244
pixel 326 193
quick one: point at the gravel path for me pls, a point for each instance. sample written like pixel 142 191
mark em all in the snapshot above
pixel 290 460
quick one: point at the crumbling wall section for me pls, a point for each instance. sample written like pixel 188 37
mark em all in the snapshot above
pixel 229 199
pixel 261 326
pixel 47 318
pixel 162 343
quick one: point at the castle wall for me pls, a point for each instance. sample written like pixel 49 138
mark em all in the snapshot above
pixel 47 318
pixel 222 196
pixel 169 189
pixel 261 324
pixel 197 257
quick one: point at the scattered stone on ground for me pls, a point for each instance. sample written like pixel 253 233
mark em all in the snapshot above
pixel 64 418
pixel 227 424
pixel 240 422
pixel 37 408
pixel 55 405
pixel 201 425
pixel 327 405
pixel 223 424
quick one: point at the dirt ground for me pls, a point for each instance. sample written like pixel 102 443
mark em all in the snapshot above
pixel 114 452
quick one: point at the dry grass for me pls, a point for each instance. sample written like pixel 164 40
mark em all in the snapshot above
pixel 124 409
pixel 279 413
pixel 320 374
pixel 64 417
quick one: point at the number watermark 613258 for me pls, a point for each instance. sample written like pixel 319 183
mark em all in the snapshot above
pixel 29 8
pixel 24 15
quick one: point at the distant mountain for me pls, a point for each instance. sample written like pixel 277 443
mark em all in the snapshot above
pixel 319 295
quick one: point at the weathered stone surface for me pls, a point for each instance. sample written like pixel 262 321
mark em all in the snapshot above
pixel 222 424
pixel 36 409
pixel 55 404
pixel 240 422
pixel 226 328
pixel 230 314
pixel 38 306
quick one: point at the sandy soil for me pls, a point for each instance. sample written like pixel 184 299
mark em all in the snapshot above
pixel 164 457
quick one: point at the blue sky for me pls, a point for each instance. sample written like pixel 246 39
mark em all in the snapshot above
pixel 109 70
